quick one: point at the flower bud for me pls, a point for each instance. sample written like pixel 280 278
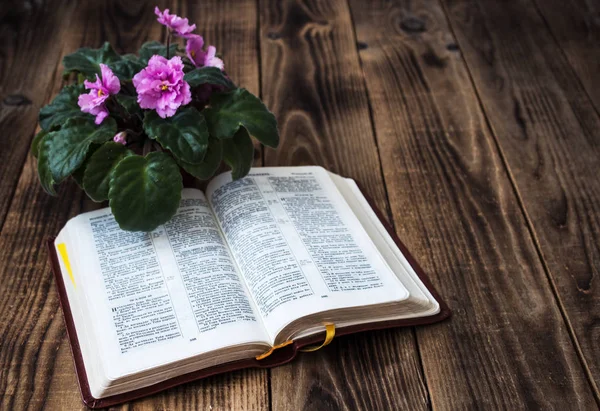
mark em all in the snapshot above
pixel 120 138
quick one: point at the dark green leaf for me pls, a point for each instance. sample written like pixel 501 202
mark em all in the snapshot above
pixel 68 147
pixel 78 174
pixel 127 67
pixel 209 165
pixel 36 142
pixel 129 103
pixel 44 172
pixel 63 107
pixel 100 169
pixel 87 61
pixel 208 75
pixel 238 153
pixel 185 134
pixel 229 111
pixel 145 191
pixel 151 48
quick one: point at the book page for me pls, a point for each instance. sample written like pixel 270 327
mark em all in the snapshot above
pixel 166 295
pixel 386 245
pixel 299 247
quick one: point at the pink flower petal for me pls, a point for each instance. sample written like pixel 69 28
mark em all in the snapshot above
pixel 193 49
pixel 95 85
pixel 211 60
pixel 101 115
pixel 109 80
pixel 178 25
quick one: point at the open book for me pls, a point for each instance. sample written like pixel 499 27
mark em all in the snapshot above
pixel 271 260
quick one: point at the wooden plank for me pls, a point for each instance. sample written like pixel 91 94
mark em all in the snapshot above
pixel 576 27
pixel 547 131
pixel 312 80
pixel 27 62
pixel 36 366
pixel 506 347
pixel 31 323
pixel 231 26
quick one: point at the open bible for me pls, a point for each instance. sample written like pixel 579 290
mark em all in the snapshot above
pixel 245 274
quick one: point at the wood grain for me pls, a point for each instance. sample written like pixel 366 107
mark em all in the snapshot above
pixel 575 25
pixel 231 26
pixel 31 325
pixel 24 91
pixel 312 80
pixel 507 346
pixel 36 369
pixel 548 133
pixel 504 218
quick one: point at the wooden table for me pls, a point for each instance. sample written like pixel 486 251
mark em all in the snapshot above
pixel 473 124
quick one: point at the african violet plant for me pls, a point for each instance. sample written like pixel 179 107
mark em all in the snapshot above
pixel 131 123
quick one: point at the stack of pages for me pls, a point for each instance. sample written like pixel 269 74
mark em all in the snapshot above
pixel 266 261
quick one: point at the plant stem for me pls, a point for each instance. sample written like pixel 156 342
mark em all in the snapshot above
pixel 168 44
pixel 147 147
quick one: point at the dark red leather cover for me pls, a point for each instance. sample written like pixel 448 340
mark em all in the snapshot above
pixel 278 357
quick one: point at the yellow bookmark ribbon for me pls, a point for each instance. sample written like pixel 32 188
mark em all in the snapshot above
pixel 62 249
pixel 329 334
pixel 265 355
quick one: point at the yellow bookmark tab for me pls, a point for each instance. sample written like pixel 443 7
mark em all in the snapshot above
pixel 265 355
pixel 329 334
pixel 62 249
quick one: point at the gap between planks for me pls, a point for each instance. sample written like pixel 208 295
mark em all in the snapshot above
pixel 528 221
pixel 389 216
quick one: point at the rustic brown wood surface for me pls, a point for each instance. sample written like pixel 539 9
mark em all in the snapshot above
pixel 548 132
pixel 576 27
pixel 473 124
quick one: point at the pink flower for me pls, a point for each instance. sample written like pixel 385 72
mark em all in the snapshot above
pixel 161 87
pixel 176 24
pixel 193 49
pixel 120 138
pixel 199 57
pixel 100 90
pixel 211 59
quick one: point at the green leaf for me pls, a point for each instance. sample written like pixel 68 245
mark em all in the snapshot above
pixel 185 134
pixel 145 191
pixel 87 61
pixel 208 75
pixel 209 165
pixel 44 172
pixel 127 67
pixel 229 111
pixel 36 142
pixel 100 168
pixel 69 146
pixel 238 153
pixel 78 174
pixel 63 107
pixel 151 48
pixel 129 103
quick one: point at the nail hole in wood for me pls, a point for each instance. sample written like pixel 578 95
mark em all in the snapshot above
pixel 413 25
pixel 16 100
